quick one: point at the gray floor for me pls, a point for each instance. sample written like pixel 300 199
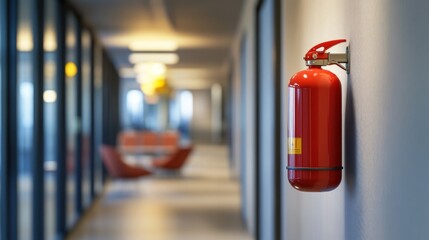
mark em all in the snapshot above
pixel 200 203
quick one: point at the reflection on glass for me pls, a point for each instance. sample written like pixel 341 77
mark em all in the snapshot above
pixel 174 113
pixel 86 117
pixel 135 109
pixel 186 103
pixel 98 117
pixel 152 117
pixel 50 120
pixel 72 122
pixel 25 118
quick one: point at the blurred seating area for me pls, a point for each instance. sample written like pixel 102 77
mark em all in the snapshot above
pixel 163 149
pixel 148 143
pixel 174 161
pixel 117 167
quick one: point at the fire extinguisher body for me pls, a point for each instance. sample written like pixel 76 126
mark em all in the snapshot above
pixel 314 131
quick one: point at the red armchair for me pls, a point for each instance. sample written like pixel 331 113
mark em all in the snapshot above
pixel 174 161
pixel 116 167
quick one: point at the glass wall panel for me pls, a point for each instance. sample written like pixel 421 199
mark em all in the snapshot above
pixel 174 111
pixel 50 117
pixel 25 117
pixel 86 117
pixel 134 105
pixel 98 116
pixel 186 103
pixel 72 121
pixel 268 122
pixel 152 119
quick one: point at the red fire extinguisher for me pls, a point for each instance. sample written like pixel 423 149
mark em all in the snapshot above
pixel 314 133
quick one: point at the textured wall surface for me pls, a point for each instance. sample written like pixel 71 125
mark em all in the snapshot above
pixel 384 194
pixel 387 196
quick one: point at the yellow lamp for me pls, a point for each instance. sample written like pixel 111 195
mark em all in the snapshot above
pixel 147 89
pixel 71 69
pixel 159 83
pixel 161 86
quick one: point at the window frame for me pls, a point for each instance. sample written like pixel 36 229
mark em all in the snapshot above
pixel 277 137
pixel 38 192
pixel 9 195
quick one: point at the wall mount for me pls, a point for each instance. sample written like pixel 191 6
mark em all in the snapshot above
pixel 317 55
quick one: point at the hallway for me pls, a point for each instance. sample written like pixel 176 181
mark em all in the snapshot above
pixel 202 202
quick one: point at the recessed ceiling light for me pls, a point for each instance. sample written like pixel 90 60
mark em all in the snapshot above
pixel 49 96
pixel 50 41
pixel 155 69
pixel 166 58
pixel 153 46
pixel 24 44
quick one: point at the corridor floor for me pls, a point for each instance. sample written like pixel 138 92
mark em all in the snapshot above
pixel 200 203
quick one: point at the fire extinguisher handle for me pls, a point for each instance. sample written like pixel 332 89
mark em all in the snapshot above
pixel 325 45
pixel 317 55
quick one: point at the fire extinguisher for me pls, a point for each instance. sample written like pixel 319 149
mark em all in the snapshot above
pixel 314 131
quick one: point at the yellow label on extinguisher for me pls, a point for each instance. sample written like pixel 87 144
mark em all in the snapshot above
pixel 294 145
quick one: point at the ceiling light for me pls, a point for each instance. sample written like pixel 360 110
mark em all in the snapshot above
pixel 141 68
pixel 49 41
pixel 155 69
pixel 144 78
pixel 49 96
pixel 158 69
pixel 153 46
pixel 24 41
pixel 166 58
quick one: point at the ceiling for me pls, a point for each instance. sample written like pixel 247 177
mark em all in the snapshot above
pixel 203 30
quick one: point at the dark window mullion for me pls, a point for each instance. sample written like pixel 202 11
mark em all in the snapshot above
pixel 38 129
pixel 61 173
pixel 93 150
pixel 275 6
pixel 78 140
pixel 277 119
pixel 9 188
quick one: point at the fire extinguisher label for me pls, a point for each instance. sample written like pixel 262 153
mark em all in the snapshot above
pixel 294 145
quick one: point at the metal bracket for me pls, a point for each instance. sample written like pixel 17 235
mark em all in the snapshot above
pixel 333 59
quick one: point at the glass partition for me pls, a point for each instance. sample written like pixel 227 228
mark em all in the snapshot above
pixel 86 117
pixel 50 117
pixel 269 154
pixel 25 123
pixel 98 117
pixel 72 121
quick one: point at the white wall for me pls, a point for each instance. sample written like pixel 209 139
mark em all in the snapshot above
pixel 384 193
pixel 387 121
pixel 201 124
